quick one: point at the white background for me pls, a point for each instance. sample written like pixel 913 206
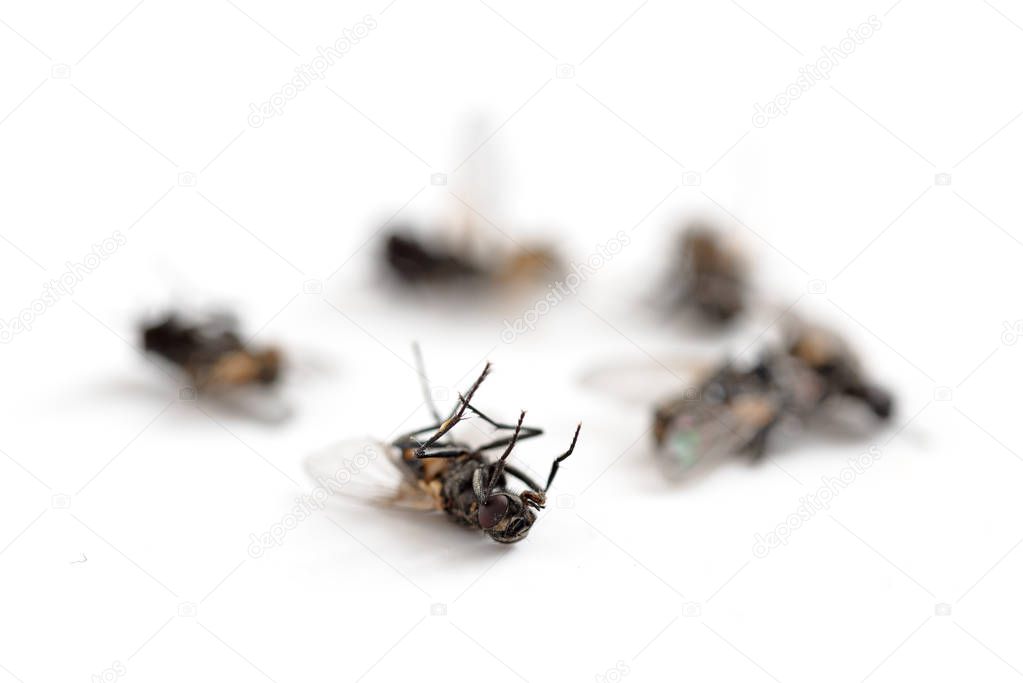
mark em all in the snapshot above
pixel 161 496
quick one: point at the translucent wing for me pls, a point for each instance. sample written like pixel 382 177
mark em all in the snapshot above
pixel 639 384
pixel 370 472
pixel 701 436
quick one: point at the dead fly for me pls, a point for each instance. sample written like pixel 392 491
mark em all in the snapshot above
pixel 429 470
pixel 211 353
pixel 416 261
pixel 736 409
pixel 709 276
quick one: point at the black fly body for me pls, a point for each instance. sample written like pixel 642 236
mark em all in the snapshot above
pixel 415 261
pixel 434 471
pixel 211 352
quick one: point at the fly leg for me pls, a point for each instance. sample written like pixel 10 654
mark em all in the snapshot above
pixel 537 498
pixel 563 456
pixel 524 432
pixel 457 415
pixel 878 400
pixel 451 453
pixel 757 446
pixel 498 470
pixel 409 440
pixel 522 476
pixel 424 383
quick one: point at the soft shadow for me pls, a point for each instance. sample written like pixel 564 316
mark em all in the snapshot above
pixel 421 532
pixel 264 405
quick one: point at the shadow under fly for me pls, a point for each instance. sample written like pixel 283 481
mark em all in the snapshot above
pixel 429 470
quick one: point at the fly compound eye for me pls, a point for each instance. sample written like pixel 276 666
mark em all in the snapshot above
pixel 493 511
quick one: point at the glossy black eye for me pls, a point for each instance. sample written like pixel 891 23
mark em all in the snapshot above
pixel 493 511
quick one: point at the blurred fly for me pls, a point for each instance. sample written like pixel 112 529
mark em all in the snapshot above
pixel 461 250
pixel 429 470
pixel 211 353
pixel 709 276
pixel 416 261
pixel 736 409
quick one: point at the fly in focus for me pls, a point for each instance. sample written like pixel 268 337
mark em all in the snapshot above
pixel 429 470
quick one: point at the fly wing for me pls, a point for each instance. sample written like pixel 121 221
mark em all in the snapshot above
pixel 702 435
pixel 369 472
pixel 639 384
